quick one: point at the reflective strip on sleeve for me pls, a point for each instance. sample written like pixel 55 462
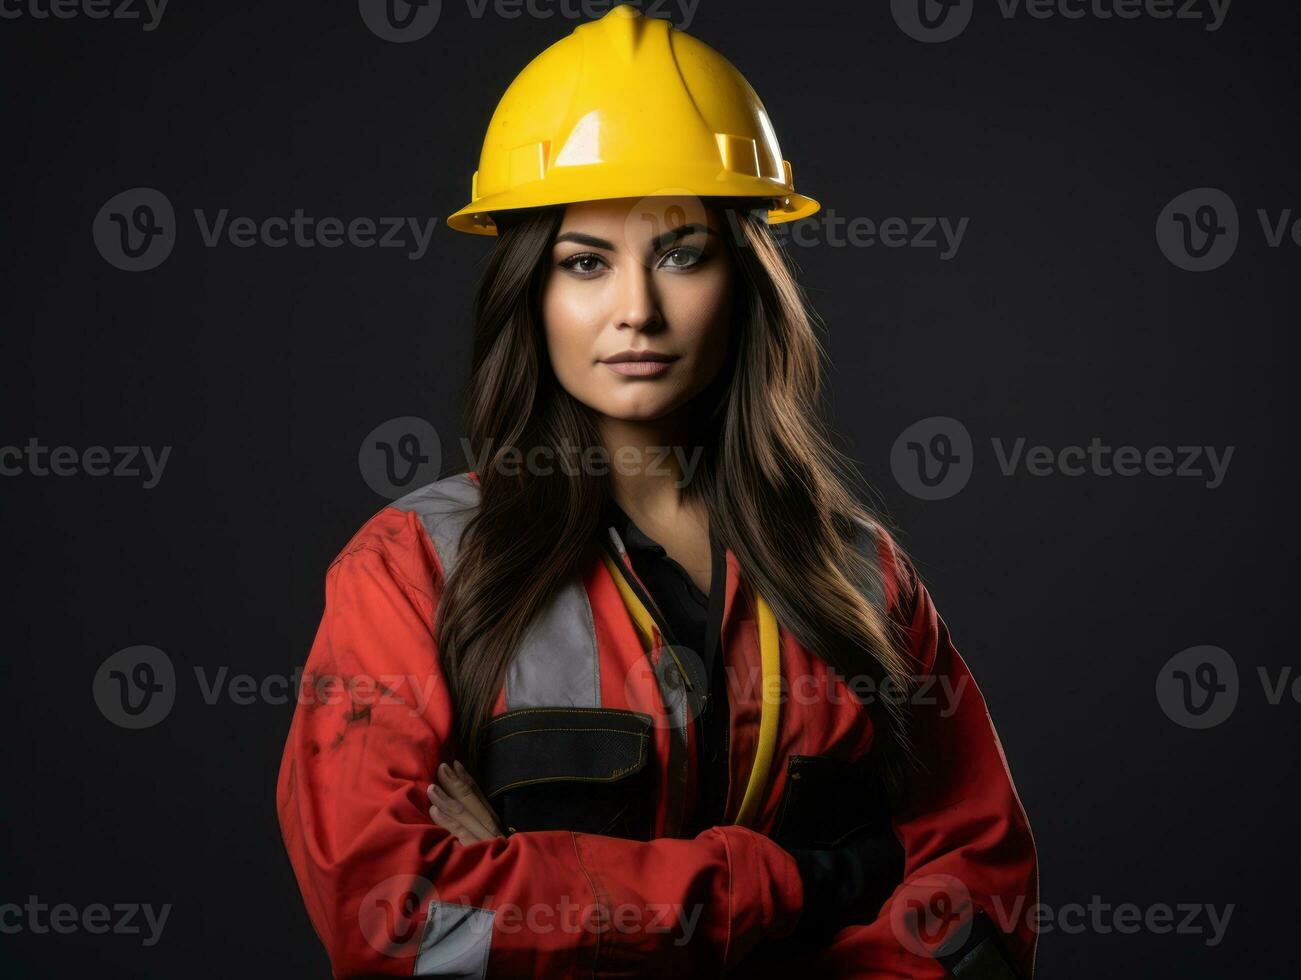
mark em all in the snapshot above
pixel 979 956
pixel 456 942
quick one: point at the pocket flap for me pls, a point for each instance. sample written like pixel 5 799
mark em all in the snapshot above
pixel 827 800
pixel 537 745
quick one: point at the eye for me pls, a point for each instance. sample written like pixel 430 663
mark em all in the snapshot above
pixel 689 255
pixel 574 262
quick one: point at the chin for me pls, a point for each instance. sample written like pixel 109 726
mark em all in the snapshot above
pixel 642 408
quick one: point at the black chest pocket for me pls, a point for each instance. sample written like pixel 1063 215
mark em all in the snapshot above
pixel 579 769
pixel 828 800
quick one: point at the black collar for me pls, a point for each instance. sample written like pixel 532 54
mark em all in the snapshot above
pixel 629 533
pixel 632 537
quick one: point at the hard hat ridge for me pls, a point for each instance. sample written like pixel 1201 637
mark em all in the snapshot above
pixel 625 27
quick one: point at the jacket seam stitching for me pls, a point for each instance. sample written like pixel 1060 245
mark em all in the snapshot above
pixel 536 731
pixel 727 939
pixel 596 897
pixel 613 777
pixel 392 569
pixel 516 712
pixel 591 631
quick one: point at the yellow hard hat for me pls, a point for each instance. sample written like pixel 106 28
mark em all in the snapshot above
pixel 628 106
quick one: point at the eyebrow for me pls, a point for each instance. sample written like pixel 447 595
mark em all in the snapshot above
pixel 660 241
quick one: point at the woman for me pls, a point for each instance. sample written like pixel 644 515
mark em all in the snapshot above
pixel 647 689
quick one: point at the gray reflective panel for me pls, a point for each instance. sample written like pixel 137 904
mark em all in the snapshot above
pixel 556 664
pixel 984 962
pixel 444 507
pixel 456 942
pixel 870 585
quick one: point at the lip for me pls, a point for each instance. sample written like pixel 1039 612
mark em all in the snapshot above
pixel 638 355
pixel 639 363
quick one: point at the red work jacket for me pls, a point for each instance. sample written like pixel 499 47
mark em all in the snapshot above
pixel 608 887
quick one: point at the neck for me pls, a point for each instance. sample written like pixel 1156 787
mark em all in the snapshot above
pixel 645 461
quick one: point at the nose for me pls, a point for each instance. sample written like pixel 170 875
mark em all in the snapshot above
pixel 637 304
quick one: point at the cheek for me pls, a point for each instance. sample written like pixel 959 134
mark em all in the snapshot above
pixel 566 331
pixel 703 314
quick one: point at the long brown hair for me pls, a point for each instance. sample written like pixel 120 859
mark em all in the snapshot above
pixel 777 491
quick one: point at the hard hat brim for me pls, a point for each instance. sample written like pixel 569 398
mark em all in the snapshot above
pixel 600 184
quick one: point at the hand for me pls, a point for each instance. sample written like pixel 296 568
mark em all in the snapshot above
pixel 459 806
pixel 844 885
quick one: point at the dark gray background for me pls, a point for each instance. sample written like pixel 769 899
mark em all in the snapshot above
pixel 1059 319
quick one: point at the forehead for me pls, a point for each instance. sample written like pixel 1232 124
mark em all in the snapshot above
pixel 634 220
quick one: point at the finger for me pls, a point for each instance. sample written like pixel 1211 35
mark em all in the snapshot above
pixel 465 793
pixel 468 792
pixel 445 808
pixel 450 824
pixel 448 804
pixel 462 788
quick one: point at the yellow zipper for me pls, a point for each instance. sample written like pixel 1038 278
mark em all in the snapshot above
pixel 770 661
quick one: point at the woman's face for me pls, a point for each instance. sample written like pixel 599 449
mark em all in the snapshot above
pixel 650 276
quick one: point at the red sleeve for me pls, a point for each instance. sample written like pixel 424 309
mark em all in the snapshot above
pixel 384 886
pixel 967 842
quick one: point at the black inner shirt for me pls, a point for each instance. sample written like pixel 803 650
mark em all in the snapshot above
pixel 695 621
